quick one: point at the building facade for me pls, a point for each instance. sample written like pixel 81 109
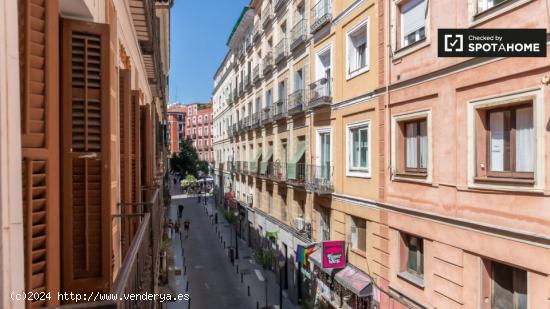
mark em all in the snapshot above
pixel 194 122
pixel 336 120
pixel 83 111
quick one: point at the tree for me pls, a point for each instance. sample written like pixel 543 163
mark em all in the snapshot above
pixel 202 166
pixel 186 161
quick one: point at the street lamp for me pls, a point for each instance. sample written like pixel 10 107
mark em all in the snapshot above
pixel 281 263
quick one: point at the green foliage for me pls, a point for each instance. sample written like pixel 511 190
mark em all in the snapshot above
pixel 189 181
pixel 202 166
pixel 186 161
pixel 230 216
pixel 264 257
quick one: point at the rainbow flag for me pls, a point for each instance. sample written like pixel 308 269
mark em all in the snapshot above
pixel 302 253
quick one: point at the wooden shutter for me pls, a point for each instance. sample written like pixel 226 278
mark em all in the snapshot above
pixel 147 147
pixel 38 47
pixel 135 151
pixel 125 113
pixel 86 151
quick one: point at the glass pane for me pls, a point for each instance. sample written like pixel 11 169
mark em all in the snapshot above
pixel 411 145
pixel 502 288
pixel 412 261
pixel 423 144
pixel 496 123
pixel 520 288
pixel 355 148
pixel 364 148
pixel 525 140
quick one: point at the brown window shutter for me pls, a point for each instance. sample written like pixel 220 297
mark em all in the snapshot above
pixel 125 114
pixel 38 47
pixel 135 152
pixel 147 147
pixel 86 156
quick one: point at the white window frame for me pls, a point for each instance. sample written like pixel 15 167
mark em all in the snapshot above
pixel 354 236
pixel 318 64
pixel 350 75
pixel 535 95
pixel 358 172
pixel 318 150
pixel 406 116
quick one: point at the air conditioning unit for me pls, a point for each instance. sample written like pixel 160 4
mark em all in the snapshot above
pixel 299 223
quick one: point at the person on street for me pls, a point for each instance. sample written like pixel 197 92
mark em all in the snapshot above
pixel 177 228
pixel 171 228
pixel 186 228
pixel 180 211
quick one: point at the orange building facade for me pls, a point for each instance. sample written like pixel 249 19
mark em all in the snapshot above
pixel 194 122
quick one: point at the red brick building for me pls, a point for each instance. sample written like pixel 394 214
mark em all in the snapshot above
pixel 193 121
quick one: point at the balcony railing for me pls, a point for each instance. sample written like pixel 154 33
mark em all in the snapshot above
pixel 298 34
pixel 281 50
pixel 257 34
pixel 247 81
pixel 235 94
pixel 279 109
pixel 321 14
pixel 256 120
pixel 245 167
pixel 221 166
pixel 276 171
pixel 267 15
pixel 279 4
pixel 267 63
pixel 296 102
pixel 319 179
pixel 296 173
pixel 241 88
pixel 138 271
pixel 249 42
pixel 267 116
pixel 320 93
pixel 238 167
pixel 256 73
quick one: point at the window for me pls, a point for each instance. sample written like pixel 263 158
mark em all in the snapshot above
pixel 358 234
pixel 483 5
pixel 324 154
pixel 200 132
pixel 358 149
pixel 200 119
pixel 413 21
pixel 268 99
pixel 412 255
pixel 357 46
pixel 206 131
pixel 416 146
pixel 206 119
pixel 503 286
pixel 511 142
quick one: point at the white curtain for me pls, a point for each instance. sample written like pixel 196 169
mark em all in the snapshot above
pixel 411 145
pixel 525 140
pixel 423 144
pixel 496 121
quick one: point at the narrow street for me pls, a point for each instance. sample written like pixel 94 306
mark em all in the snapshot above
pixel 214 282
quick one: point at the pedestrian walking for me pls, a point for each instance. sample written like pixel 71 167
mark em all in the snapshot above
pixel 186 228
pixel 171 228
pixel 177 228
pixel 199 197
pixel 180 211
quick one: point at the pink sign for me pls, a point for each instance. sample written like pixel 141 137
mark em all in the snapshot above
pixel 334 254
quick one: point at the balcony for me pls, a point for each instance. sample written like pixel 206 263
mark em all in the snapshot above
pixel 319 179
pixel 298 34
pixel 247 82
pixel 279 4
pixel 235 95
pixel 296 102
pixel 321 14
pixel 256 73
pixel 279 110
pixel 267 15
pixel 267 115
pixel 256 120
pixel 241 89
pixel 245 167
pixel 267 63
pixel 228 166
pixel 320 94
pixel 281 50
pixel 296 174
pixel 249 41
pixel 257 34
pixel 238 167
pixel 220 166
pixel 276 171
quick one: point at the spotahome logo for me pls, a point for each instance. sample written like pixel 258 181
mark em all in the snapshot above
pixel 491 42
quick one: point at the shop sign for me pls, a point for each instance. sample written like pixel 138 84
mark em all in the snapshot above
pixel 334 254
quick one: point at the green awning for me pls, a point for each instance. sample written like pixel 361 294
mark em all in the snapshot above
pixel 273 234
pixel 254 164
pixel 268 156
pixel 292 164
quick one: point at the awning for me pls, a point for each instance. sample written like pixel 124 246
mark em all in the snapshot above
pixel 273 234
pixel 268 156
pixel 349 277
pixel 254 164
pixel 292 164
pixel 355 280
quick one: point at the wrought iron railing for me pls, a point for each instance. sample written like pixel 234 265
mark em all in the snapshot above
pixel 298 34
pixel 245 167
pixel 267 63
pixel 276 171
pixel 267 114
pixel 256 73
pixel 321 14
pixel 279 109
pixel 296 173
pixel 296 102
pixel 257 33
pixel 267 15
pixel 319 178
pixel 279 4
pixel 281 50
pixel 255 120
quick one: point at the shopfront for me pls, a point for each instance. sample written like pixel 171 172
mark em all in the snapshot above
pixel 346 287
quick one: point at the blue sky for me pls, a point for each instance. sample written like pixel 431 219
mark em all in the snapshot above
pixel 199 32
